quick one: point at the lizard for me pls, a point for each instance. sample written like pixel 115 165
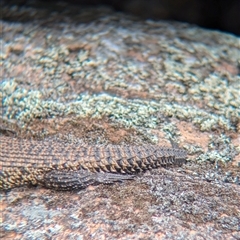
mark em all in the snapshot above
pixel 62 166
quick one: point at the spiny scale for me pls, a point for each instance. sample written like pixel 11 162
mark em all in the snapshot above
pixel 70 166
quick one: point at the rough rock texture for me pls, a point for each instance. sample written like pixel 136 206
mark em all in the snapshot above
pixel 95 76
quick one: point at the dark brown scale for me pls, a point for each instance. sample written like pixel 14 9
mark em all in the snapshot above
pixel 98 154
pixel 118 153
pixel 129 153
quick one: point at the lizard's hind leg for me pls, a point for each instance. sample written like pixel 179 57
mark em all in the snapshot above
pixel 72 180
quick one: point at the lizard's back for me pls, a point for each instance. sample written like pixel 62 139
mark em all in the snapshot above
pixel 26 161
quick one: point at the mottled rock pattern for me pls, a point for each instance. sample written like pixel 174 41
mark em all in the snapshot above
pixel 99 77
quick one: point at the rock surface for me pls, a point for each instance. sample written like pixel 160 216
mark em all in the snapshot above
pixel 97 76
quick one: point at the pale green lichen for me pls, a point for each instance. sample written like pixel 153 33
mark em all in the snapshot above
pixel 219 149
pixel 193 149
pixel 24 105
